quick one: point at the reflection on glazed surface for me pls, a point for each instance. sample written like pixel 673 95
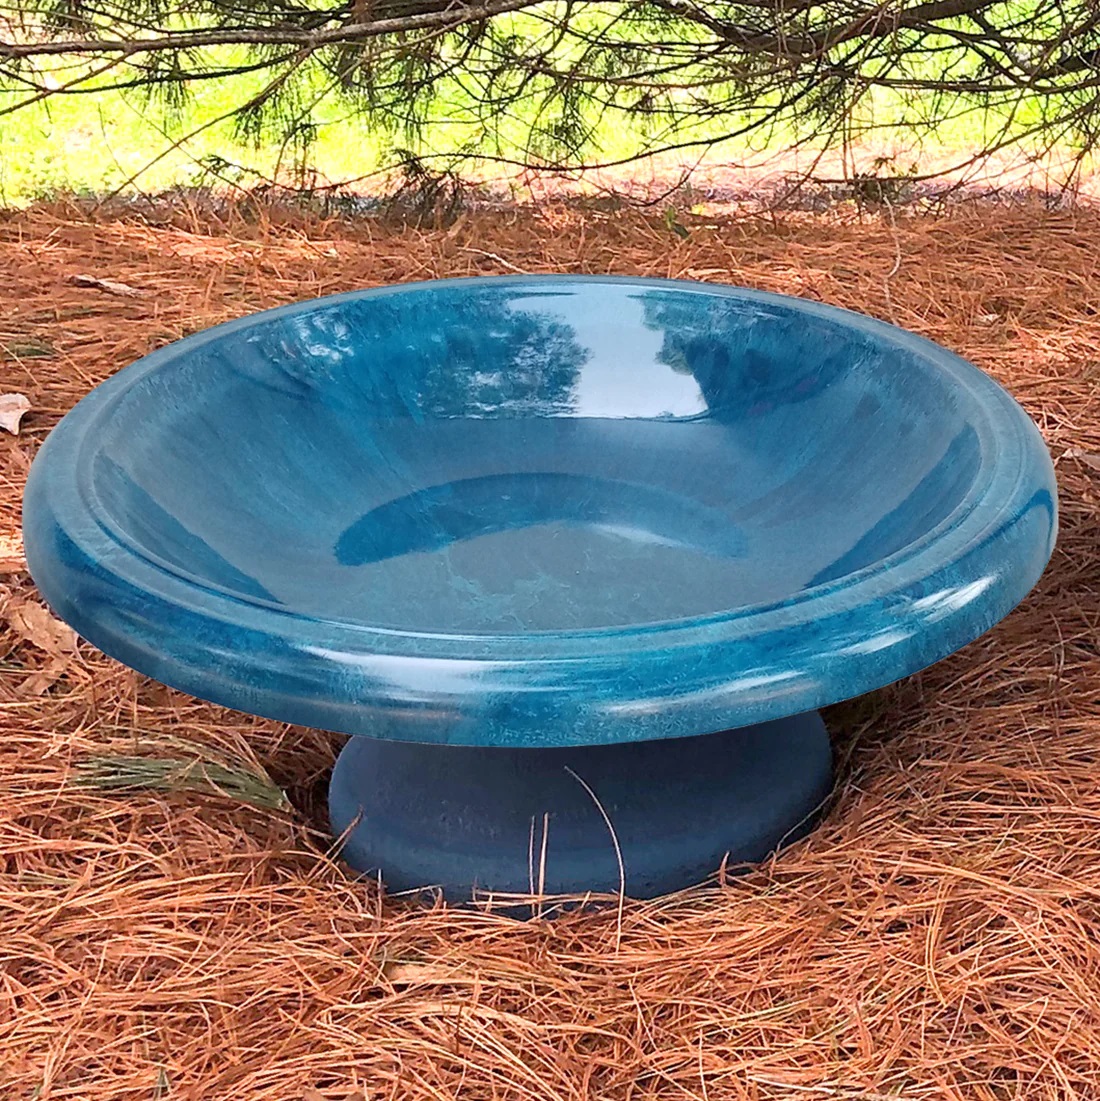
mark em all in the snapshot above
pixel 540 511
pixel 514 460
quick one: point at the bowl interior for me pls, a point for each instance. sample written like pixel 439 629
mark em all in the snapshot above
pixel 512 457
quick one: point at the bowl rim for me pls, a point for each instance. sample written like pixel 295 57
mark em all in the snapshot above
pixel 1013 455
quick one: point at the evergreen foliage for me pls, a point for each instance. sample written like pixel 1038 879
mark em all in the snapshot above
pixel 685 72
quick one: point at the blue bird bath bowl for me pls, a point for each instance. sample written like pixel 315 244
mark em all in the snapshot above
pixel 575 560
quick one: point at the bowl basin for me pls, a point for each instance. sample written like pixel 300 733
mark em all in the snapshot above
pixel 540 511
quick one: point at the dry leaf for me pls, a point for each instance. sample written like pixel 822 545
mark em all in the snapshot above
pixel 310 1094
pixel 423 974
pixel 12 559
pixel 409 974
pixel 12 409
pixel 1089 458
pixel 34 624
pixel 42 680
pixel 111 286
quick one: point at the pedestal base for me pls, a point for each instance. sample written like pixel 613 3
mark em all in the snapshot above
pixel 523 820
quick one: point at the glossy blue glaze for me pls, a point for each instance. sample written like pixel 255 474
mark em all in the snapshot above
pixel 540 511
pixel 505 820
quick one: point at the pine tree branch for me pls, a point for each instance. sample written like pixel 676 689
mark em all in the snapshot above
pixel 450 17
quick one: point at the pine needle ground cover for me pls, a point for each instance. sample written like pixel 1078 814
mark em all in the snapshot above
pixel 172 924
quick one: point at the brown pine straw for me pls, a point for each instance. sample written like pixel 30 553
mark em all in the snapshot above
pixel 937 937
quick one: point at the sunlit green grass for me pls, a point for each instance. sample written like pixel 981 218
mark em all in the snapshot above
pixel 110 141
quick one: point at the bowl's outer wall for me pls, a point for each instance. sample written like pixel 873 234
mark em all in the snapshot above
pixel 859 623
